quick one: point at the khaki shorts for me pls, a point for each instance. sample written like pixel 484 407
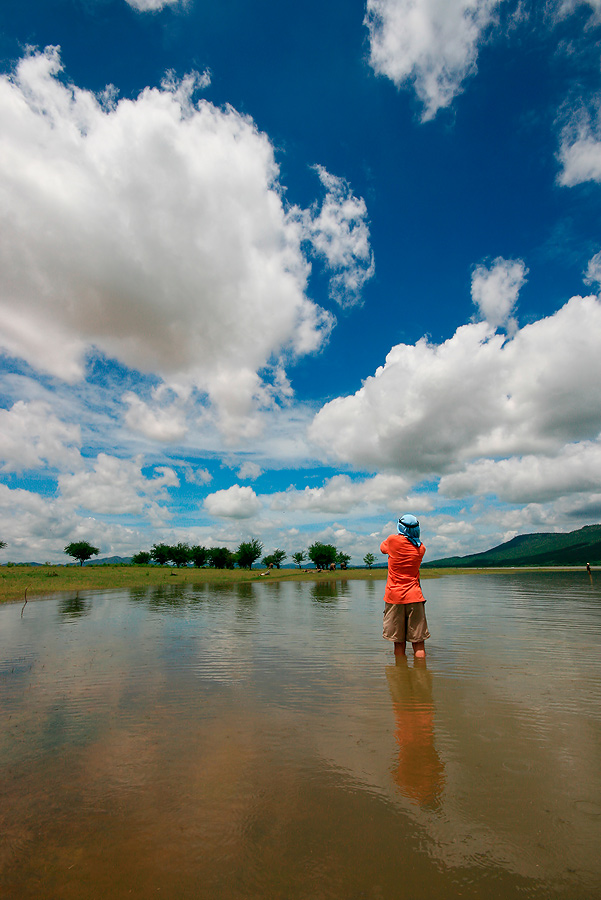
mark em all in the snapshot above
pixel 405 622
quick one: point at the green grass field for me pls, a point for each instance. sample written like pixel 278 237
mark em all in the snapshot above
pixel 41 581
pixel 31 582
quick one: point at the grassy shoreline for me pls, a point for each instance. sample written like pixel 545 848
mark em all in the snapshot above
pixel 43 581
pixel 36 582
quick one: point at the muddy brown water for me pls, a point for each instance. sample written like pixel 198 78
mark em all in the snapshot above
pixel 258 741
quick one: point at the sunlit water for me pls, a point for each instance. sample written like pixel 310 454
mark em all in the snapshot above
pixel 258 741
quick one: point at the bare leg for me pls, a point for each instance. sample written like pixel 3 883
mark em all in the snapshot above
pixel 399 648
pixel 419 651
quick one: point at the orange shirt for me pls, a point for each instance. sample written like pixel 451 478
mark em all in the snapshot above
pixel 404 560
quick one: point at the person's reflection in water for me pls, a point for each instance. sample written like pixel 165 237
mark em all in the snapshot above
pixel 419 771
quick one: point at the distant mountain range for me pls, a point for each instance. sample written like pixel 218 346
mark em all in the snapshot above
pixel 575 548
pixel 109 561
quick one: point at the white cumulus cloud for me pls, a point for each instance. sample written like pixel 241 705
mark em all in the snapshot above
pixel 38 528
pixel 339 234
pixel 236 502
pixel 117 486
pixel 432 409
pixel 154 230
pixel 32 437
pixel 249 470
pixel 429 44
pixel 167 424
pixel 31 521
pixel 525 479
pixel 341 494
pixel 495 291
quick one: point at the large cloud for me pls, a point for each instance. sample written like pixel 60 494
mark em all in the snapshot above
pixel 430 44
pixel 118 486
pixel 32 522
pixel 154 230
pixel 433 45
pixel 31 437
pixel 342 495
pixel 576 469
pixel 339 495
pixel 431 409
pixel 233 503
pixel 36 527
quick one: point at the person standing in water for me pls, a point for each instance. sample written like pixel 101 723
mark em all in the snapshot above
pixel 404 612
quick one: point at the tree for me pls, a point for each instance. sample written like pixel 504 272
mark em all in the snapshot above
pixel 299 557
pixel 343 559
pixel 248 552
pixel 141 559
pixel 81 550
pixel 179 555
pixel 369 559
pixel 199 555
pixel 274 559
pixel 221 558
pixel 322 555
pixel 161 553
pixel 278 557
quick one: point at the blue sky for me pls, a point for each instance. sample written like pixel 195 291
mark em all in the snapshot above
pixel 290 271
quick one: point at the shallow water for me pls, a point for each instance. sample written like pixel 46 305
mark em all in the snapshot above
pixel 258 741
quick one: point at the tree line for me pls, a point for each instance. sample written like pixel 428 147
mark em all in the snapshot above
pixel 248 552
pixel 323 556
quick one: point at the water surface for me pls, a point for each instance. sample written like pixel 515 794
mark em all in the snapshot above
pixel 259 741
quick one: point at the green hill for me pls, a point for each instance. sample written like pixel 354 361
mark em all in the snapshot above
pixel 110 561
pixel 575 548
